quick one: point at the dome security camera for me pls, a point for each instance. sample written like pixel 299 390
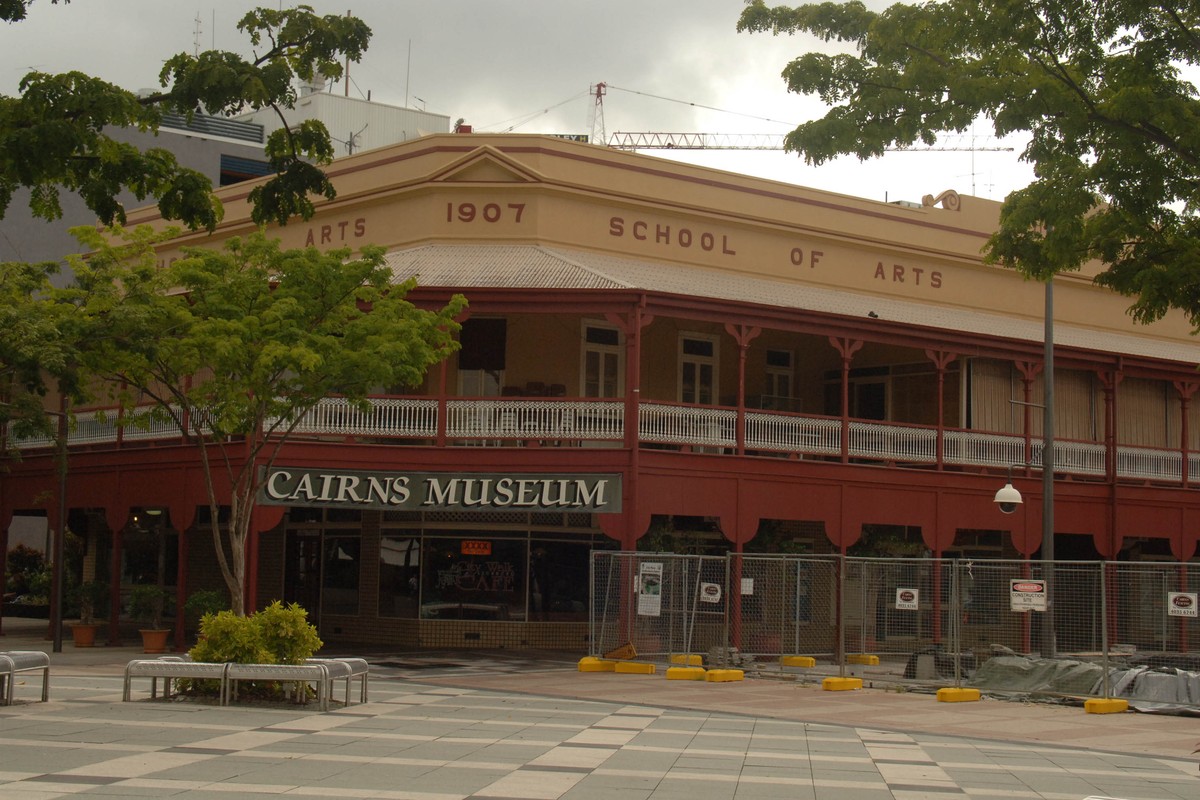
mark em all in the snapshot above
pixel 1008 498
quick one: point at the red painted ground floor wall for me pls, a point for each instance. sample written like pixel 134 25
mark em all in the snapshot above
pixel 734 493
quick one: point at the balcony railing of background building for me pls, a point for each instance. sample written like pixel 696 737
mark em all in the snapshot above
pixel 492 422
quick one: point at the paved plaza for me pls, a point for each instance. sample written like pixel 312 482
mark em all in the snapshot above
pixel 455 726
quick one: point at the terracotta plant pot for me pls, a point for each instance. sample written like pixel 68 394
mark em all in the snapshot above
pixel 154 641
pixel 84 634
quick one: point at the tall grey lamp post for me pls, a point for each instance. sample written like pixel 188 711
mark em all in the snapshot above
pixel 1049 645
pixel 1008 498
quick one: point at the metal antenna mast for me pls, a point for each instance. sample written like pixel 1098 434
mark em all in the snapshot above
pixel 598 135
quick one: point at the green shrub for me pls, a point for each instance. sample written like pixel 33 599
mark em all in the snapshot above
pixel 23 563
pixel 287 633
pixel 40 584
pixel 204 602
pixel 227 637
pixel 278 634
pixel 147 603
pixel 87 598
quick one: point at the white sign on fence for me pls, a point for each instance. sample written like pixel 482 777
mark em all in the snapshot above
pixel 710 592
pixel 1027 594
pixel 907 599
pixel 1181 604
pixel 650 589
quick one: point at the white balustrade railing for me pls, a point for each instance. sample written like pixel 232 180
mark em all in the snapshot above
pixel 893 442
pixel 384 417
pixel 790 433
pixel 146 423
pixel 1153 465
pixel 967 448
pixel 560 421
pixel 688 425
pixel 488 421
pixel 1076 458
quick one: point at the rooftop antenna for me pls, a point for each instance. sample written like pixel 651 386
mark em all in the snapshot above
pixel 598 135
pixel 197 30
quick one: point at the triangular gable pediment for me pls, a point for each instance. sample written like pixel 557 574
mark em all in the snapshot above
pixel 486 165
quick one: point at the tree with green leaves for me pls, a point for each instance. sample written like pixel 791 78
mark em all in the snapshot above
pixel 1101 87
pixel 53 135
pixel 236 345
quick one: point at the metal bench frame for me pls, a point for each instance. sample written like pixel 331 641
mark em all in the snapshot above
pixel 346 669
pixel 14 661
pixel 300 674
pixel 168 669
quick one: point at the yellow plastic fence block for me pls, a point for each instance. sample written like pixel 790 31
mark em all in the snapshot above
pixel 592 664
pixel 863 658
pixel 634 668
pixel 952 695
pixel 724 675
pixel 688 660
pixel 841 684
pixel 685 673
pixel 1099 705
pixel 797 661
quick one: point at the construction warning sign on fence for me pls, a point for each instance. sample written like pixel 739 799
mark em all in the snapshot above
pixel 1027 594
pixel 1181 604
pixel 908 600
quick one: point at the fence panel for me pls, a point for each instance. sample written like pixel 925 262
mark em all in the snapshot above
pixel 660 603
pixel 1088 627
pixel 788 607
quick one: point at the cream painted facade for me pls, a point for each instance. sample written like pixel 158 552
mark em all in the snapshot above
pixel 739 351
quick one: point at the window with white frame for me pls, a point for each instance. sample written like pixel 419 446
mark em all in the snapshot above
pixel 698 362
pixel 481 356
pixel 602 364
pixel 779 386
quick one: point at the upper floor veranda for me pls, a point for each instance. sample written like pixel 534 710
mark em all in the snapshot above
pixel 650 377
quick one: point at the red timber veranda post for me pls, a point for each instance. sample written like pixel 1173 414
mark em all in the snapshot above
pixel 1186 390
pixel 116 515
pixel 6 516
pixel 846 349
pixel 743 335
pixel 631 525
pixel 183 515
pixel 941 361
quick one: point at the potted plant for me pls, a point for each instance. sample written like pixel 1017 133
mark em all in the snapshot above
pixel 146 604
pixel 202 603
pixel 88 596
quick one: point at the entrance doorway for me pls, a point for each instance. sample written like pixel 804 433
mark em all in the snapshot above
pixel 302 572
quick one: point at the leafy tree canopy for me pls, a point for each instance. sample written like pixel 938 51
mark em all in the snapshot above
pixel 234 346
pixel 1101 87
pixel 52 135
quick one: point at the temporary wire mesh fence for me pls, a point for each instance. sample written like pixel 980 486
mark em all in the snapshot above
pixel 1082 627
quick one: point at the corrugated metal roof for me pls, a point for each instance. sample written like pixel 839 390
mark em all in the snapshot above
pixel 541 267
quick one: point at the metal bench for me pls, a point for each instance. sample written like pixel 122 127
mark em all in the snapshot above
pixel 300 674
pixel 346 669
pixel 14 661
pixel 155 668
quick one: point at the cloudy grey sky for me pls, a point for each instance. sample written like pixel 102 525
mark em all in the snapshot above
pixel 527 66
